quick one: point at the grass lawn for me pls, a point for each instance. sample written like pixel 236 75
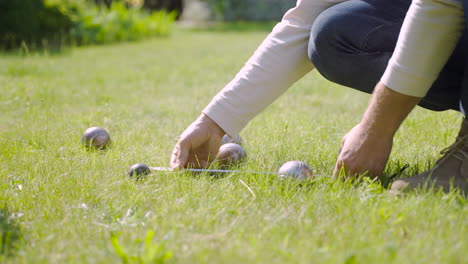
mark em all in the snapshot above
pixel 62 204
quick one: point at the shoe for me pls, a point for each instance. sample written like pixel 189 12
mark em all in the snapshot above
pixel 450 171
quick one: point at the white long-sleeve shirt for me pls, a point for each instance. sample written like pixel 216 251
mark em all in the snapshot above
pixel 277 63
pixel 427 38
pixel 281 60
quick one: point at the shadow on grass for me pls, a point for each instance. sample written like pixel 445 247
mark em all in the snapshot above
pixel 10 234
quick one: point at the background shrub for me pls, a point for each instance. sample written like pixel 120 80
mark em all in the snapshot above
pixel 169 5
pixel 35 22
pixel 119 23
pixel 250 10
pixel 53 23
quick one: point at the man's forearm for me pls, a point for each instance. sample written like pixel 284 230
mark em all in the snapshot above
pixel 387 110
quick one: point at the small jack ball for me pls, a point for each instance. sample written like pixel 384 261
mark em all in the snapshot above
pixel 95 137
pixel 295 169
pixel 138 170
pixel 227 139
pixel 231 153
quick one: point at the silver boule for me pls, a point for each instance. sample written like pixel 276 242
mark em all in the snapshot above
pixel 95 137
pixel 228 139
pixel 295 169
pixel 231 153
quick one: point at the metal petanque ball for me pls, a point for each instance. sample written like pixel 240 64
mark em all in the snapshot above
pixel 95 137
pixel 295 169
pixel 231 153
pixel 227 139
pixel 138 170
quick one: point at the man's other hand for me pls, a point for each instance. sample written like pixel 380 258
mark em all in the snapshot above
pixel 366 148
pixel 363 152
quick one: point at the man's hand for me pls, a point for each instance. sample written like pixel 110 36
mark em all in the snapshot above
pixel 366 148
pixel 363 152
pixel 198 144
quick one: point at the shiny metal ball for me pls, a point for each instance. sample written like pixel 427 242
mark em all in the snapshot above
pixel 230 154
pixel 96 137
pixel 295 169
pixel 228 139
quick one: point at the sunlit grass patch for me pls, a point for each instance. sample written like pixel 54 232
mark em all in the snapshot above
pixel 77 206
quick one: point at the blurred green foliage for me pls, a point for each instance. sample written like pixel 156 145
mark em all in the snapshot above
pixel 35 22
pixel 119 23
pixel 250 10
pixel 51 24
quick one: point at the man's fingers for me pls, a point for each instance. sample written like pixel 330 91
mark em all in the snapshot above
pixel 336 171
pixel 339 151
pixel 345 167
pixel 197 164
pixel 180 155
pixel 174 155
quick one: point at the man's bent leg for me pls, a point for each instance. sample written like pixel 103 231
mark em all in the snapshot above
pixel 452 169
pixel 351 44
pixel 464 92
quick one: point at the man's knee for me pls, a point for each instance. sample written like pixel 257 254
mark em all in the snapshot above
pixel 326 45
pixel 351 43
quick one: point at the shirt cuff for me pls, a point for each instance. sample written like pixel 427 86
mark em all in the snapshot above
pixel 403 81
pixel 223 117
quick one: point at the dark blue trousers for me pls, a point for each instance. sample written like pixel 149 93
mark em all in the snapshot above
pixel 352 42
pixel 464 95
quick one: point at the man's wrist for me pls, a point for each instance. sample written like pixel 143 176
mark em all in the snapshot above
pixel 204 118
pixel 387 110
